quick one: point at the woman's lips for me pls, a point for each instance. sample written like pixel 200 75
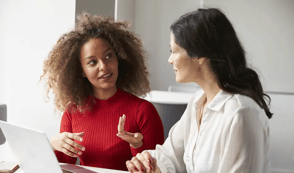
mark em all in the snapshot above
pixel 105 76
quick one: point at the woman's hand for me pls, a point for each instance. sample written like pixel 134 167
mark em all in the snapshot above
pixel 134 139
pixel 64 142
pixel 143 162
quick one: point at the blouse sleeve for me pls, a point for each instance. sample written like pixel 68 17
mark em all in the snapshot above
pixel 247 143
pixel 150 126
pixel 170 155
pixel 65 126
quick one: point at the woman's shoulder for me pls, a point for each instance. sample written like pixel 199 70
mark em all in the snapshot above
pixel 132 99
pixel 244 108
pixel 241 102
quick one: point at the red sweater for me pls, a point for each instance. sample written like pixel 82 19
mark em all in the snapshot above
pixel 103 148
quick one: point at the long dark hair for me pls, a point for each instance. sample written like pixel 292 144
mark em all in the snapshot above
pixel 208 33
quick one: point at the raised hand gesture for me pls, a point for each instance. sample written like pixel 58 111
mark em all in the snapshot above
pixel 134 139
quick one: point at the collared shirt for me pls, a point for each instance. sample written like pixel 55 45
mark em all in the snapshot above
pixel 233 137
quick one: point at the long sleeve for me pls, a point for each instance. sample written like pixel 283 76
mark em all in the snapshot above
pixel 65 126
pixel 170 155
pixel 247 144
pixel 150 126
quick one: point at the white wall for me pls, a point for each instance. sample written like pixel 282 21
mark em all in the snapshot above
pixel 125 10
pixel 264 26
pixel 99 7
pixel 28 31
pixel 282 132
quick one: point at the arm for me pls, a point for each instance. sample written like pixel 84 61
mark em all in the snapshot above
pixel 165 158
pixel 246 147
pixel 150 126
pixel 65 126
pixel 170 155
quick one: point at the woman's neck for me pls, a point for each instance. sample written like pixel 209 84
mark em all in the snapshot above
pixel 209 85
pixel 104 94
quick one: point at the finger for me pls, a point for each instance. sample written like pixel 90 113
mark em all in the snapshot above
pixel 138 136
pixel 138 164
pixel 71 149
pixel 81 134
pixel 154 164
pixel 151 160
pixel 127 138
pixel 65 151
pixel 74 144
pixel 144 161
pixel 120 127
pixel 123 120
pixel 131 167
pixel 73 136
pixel 147 156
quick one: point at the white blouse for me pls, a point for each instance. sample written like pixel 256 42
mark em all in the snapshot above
pixel 233 137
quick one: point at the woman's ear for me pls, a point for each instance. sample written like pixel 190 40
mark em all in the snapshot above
pixel 201 60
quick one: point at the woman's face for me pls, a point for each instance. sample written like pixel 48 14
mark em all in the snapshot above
pixel 184 66
pixel 99 63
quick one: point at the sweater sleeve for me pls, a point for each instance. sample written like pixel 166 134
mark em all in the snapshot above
pixel 150 126
pixel 65 126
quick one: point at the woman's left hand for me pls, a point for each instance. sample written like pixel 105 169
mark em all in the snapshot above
pixel 135 139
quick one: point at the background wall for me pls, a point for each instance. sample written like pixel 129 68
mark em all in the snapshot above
pixel 28 31
pixel 265 28
pixel 99 7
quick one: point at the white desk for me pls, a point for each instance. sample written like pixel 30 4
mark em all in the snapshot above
pixel 169 105
pixel 170 98
pixel 88 167
pixel 6 154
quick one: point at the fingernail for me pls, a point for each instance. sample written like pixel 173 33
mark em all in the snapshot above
pixel 124 116
pixel 83 148
pixel 136 135
pixel 80 153
pixel 81 139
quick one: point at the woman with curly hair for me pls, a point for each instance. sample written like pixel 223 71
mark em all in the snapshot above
pixel 96 72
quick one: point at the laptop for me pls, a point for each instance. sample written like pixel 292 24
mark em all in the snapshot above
pixel 32 149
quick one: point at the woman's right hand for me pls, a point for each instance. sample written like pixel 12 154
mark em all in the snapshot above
pixel 143 162
pixel 64 142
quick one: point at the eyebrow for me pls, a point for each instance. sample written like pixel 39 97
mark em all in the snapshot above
pixel 103 52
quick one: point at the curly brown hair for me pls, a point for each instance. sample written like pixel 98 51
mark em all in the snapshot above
pixel 63 71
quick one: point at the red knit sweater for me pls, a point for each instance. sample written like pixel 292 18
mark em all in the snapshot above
pixel 103 148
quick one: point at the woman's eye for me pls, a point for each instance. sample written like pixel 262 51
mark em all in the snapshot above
pixel 92 62
pixel 109 56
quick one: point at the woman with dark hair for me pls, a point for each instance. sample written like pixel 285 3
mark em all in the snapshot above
pixel 225 127
pixel 95 71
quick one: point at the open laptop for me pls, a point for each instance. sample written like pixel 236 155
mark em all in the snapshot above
pixel 31 148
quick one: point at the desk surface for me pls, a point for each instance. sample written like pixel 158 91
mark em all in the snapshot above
pixel 166 97
pixel 6 154
pixel 90 168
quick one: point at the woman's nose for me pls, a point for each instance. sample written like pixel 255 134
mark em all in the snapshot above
pixel 103 65
pixel 170 60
